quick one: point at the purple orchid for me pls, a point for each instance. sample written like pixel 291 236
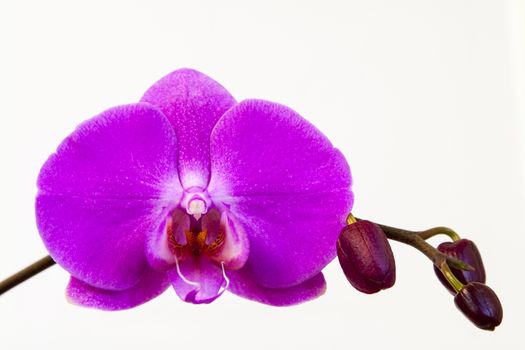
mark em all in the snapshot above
pixel 191 189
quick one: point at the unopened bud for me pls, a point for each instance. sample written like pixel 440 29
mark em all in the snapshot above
pixel 466 251
pixel 366 257
pixel 480 305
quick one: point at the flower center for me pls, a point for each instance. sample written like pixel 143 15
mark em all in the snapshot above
pixel 201 235
pixel 199 229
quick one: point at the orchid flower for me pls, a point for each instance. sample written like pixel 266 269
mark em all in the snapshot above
pixel 191 189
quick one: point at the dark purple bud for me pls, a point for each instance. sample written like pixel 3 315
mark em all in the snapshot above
pixel 366 257
pixel 480 304
pixel 466 251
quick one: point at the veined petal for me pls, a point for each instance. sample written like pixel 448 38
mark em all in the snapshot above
pixel 243 285
pixel 151 285
pixel 287 186
pixel 112 181
pixel 198 280
pixel 193 102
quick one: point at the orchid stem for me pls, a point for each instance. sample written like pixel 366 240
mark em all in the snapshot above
pixel 431 232
pixel 26 273
pixel 417 240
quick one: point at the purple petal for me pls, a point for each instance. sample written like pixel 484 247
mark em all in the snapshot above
pixel 193 102
pixel 152 284
pixel 199 280
pixel 243 285
pixel 110 183
pixel 286 184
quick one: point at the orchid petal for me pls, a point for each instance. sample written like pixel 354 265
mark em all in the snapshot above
pixel 151 285
pixel 193 102
pixel 286 185
pixel 243 285
pixel 198 280
pixel 110 183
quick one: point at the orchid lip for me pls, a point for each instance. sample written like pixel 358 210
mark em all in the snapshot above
pixel 191 297
pixel 214 239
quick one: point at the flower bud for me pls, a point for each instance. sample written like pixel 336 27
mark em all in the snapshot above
pixel 366 257
pixel 466 251
pixel 480 305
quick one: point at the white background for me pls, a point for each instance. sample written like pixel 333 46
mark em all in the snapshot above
pixel 425 99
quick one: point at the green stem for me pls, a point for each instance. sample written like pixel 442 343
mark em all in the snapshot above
pixel 439 230
pixel 452 280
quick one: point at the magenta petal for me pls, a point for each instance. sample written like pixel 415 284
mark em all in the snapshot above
pixel 286 184
pixel 152 284
pixel 199 280
pixel 243 285
pixel 193 102
pixel 110 183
